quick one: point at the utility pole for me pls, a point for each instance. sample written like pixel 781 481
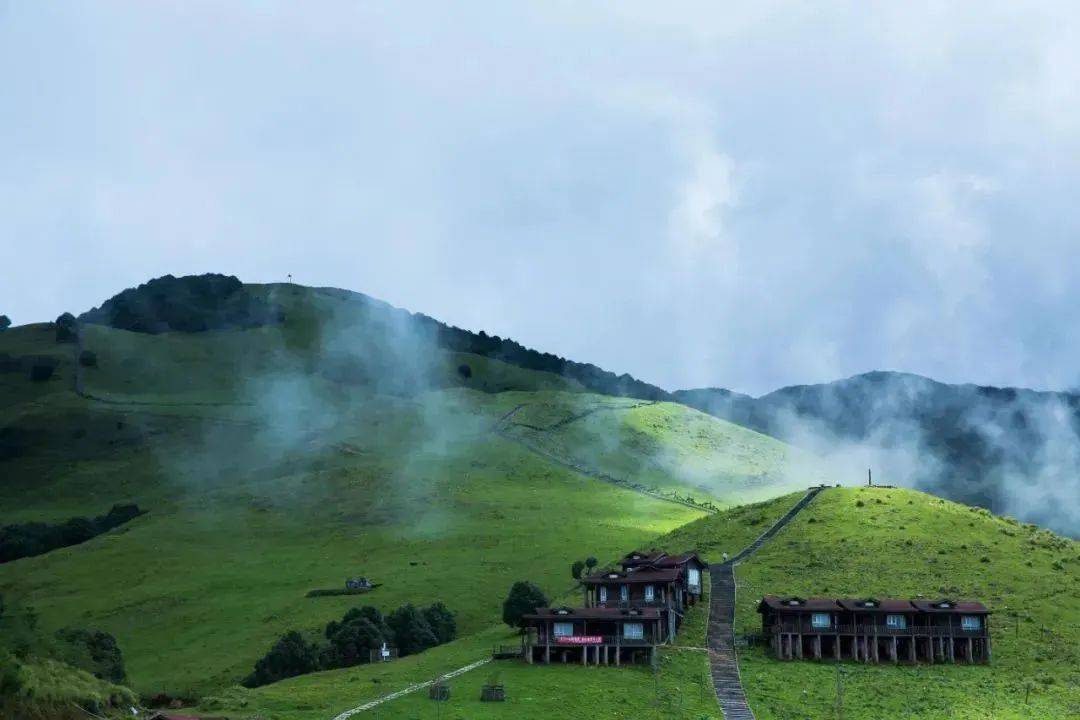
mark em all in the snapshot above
pixel 869 478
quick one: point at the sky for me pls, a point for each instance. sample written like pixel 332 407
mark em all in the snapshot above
pixel 745 195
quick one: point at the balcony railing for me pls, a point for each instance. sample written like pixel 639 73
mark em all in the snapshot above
pixel 621 640
pixel 654 603
pixel 918 630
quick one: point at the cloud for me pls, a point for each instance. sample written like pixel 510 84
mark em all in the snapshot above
pixel 747 196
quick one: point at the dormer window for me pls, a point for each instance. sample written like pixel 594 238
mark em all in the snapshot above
pixel 613 576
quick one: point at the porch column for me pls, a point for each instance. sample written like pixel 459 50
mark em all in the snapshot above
pixel 911 650
pixel 970 657
pixel 836 649
pixel 817 647
pixel 892 651
pixel 798 648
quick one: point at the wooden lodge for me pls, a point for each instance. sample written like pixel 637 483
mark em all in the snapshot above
pixel 876 630
pixel 627 612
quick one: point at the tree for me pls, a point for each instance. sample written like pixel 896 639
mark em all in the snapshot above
pixel 524 598
pixel 411 631
pixel 67 329
pixel 5 322
pixel 576 569
pixel 290 656
pixel 442 622
pixel 590 562
pixel 464 371
pixel 352 642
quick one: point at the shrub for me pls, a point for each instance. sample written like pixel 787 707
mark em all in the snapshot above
pixel 290 656
pixel 441 621
pixel 576 569
pixel 94 651
pixel 860 503
pixel 590 562
pixel 464 371
pixel 88 358
pixel 41 367
pixel 524 597
pixel 5 322
pixel 411 631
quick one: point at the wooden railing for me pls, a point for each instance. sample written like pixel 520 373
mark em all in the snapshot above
pixel 621 640
pixel 917 630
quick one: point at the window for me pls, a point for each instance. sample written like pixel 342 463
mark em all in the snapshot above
pixel 897 622
pixel 821 620
pixel 633 631
pixel 650 593
pixel 603 594
pixel 695 577
pixel 624 593
pixel 970 622
pixel 563 629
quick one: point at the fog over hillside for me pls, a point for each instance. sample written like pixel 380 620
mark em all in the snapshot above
pixel 1012 450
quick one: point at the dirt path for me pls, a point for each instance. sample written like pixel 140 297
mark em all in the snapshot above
pixel 411 689
pixel 723 659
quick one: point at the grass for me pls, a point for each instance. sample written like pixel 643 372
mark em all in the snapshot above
pixel 903 543
pixel 662 445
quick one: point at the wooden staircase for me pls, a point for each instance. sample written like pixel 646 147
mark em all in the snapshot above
pixel 723 660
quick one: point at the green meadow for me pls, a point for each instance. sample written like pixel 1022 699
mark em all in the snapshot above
pixel 277 460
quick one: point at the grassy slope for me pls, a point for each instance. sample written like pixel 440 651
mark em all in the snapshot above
pixel 682 688
pixel 905 543
pixel 662 445
pixel 264 479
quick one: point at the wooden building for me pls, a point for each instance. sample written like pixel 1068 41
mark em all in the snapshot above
pixel 876 630
pixel 626 613
pixel 600 636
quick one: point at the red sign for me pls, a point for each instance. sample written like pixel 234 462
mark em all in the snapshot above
pixel 580 640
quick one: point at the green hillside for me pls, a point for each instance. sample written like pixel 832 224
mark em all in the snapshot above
pixel 881 542
pixel 281 459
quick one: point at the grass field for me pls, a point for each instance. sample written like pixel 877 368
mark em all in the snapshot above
pixel 902 543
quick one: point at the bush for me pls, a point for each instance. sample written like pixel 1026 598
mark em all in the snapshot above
pixel 590 562
pixel 524 597
pixel 464 371
pixel 441 621
pixel 41 367
pixel 88 358
pixel 94 651
pixel 290 656
pixel 5 322
pixel 411 631
pixel 576 569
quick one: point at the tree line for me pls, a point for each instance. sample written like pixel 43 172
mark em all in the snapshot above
pixel 351 640
pixel 36 538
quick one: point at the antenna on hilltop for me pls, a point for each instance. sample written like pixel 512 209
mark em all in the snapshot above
pixel 869 478
pixel 290 277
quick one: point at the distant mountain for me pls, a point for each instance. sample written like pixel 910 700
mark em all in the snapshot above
pixel 1011 450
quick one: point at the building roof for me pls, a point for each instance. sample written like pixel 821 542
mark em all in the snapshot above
pixel 639 575
pixel 568 613
pixel 793 603
pixel 945 605
pixel 659 558
pixel 678 560
pixel 886 605
pixel 642 557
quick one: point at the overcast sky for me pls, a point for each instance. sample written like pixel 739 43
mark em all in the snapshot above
pixel 745 195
